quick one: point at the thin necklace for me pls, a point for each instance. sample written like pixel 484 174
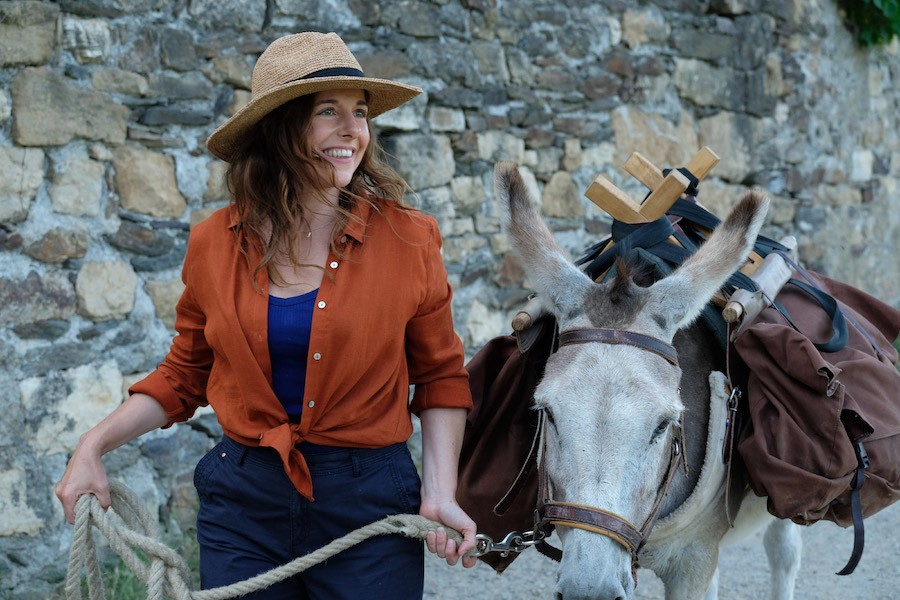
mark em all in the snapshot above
pixel 310 232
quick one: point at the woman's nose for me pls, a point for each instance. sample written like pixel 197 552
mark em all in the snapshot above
pixel 350 125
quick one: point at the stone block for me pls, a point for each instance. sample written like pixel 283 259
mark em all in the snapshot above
pixel 58 246
pixel 468 194
pixel 572 156
pixel 5 106
pixel 562 198
pixel 482 324
pixel 404 118
pixel 118 81
pixel 141 239
pixel 77 188
pixel 243 15
pixel 145 181
pixel 36 298
pixel 732 138
pixel 165 295
pixel 27 32
pixel 424 160
pixel 861 165
pixel 706 85
pixel 112 8
pixel 50 111
pixel 662 142
pixel 177 49
pixel 326 15
pixel 442 118
pixel 21 174
pixel 216 187
pixel 239 100
pixel 386 64
pixel 16 517
pixel 233 70
pixel 105 290
pixel 93 391
pixel 643 26
pixel 491 60
pixel 88 39
pixel 185 86
pixel 499 145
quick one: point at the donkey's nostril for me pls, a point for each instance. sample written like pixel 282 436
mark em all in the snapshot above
pixel 559 596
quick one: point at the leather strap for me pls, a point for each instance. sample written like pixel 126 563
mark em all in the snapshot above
pixel 619 336
pixel 859 531
pixel 594 519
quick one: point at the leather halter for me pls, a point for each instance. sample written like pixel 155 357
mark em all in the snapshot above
pixel 589 518
pixel 620 336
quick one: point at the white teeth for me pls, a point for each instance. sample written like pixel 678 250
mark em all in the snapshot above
pixel 339 153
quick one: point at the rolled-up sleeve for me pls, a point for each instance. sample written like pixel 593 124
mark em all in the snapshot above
pixel 435 354
pixel 179 382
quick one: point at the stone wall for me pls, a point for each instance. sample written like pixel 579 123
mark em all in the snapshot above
pixel 105 106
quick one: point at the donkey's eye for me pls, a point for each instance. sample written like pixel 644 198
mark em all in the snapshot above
pixel 549 416
pixel 660 429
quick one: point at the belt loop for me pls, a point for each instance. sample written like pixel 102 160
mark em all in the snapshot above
pixel 354 459
pixel 242 454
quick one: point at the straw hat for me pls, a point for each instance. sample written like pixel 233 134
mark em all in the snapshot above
pixel 300 64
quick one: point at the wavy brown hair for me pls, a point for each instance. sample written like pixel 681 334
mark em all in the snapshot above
pixel 274 171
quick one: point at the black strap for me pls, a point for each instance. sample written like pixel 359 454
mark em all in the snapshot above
pixel 839 331
pixel 334 72
pixel 693 182
pixel 859 532
pixel 548 550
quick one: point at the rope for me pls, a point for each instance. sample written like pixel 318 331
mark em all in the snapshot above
pixel 129 528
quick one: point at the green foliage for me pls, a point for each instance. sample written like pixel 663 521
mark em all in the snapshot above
pixel 874 22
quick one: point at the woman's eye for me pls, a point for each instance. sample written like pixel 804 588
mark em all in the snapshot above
pixel 362 113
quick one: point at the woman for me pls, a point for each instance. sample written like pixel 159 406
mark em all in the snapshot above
pixel 311 303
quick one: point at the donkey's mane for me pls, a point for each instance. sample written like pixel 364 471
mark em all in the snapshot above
pixel 618 302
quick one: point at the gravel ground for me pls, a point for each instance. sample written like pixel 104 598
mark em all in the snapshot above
pixel 744 572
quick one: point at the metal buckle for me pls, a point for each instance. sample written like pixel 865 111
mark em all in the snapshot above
pixel 515 541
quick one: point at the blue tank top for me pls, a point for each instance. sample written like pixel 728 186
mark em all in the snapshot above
pixel 290 322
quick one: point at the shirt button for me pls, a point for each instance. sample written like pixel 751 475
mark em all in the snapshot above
pixel 321 304
pixel 334 264
pixel 311 403
pixel 317 356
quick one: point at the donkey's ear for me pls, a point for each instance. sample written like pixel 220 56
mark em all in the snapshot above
pixel 547 264
pixel 679 298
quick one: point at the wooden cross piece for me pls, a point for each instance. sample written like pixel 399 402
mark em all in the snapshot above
pixel 664 191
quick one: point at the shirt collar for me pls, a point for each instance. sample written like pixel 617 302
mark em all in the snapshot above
pixel 355 227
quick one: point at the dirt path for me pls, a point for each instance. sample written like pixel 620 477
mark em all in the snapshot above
pixel 744 570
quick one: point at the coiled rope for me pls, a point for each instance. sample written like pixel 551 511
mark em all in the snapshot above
pixel 129 527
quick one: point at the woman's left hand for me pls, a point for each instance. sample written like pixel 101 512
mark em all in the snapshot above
pixel 452 515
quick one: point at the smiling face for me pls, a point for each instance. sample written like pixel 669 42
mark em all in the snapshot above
pixel 339 133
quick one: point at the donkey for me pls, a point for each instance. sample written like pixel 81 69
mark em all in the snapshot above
pixel 619 397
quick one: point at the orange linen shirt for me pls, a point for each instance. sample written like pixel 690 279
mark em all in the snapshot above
pixel 381 322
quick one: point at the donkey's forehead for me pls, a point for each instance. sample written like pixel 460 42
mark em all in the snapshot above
pixel 606 375
pixel 618 308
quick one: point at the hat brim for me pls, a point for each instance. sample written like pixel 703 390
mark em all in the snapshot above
pixel 385 95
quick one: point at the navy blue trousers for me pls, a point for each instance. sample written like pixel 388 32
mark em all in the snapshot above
pixel 252 519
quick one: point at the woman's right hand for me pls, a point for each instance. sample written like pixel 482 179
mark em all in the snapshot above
pixel 85 474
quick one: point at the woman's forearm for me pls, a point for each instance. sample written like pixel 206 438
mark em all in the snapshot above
pixel 85 474
pixel 136 416
pixel 442 434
